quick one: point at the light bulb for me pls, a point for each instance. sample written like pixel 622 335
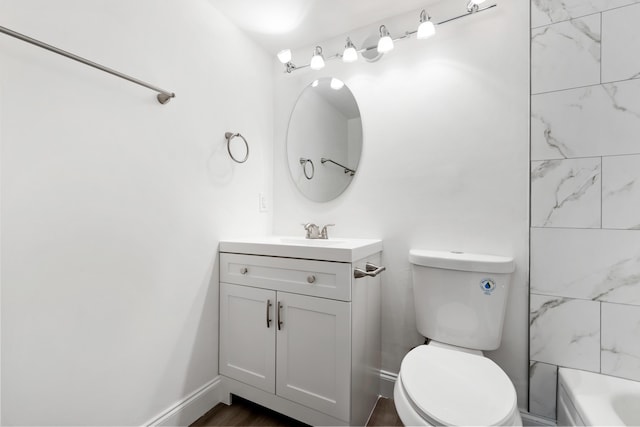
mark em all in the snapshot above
pixel 317 60
pixel 473 5
pixel 284 56
pixel 426 28
pixel 350 54
pixel 336 84
pixel 385 44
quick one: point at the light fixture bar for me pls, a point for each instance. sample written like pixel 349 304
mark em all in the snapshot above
pixel 290 67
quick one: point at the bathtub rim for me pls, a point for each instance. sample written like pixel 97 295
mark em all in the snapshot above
pixel 584 390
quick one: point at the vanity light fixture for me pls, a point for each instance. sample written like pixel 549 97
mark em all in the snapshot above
pixel 474 5
pixel 284 56
pixel 426 28
pixel 317 60
pixel 385 43
pixel 350 53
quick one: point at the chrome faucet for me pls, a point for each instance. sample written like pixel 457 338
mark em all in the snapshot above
pixel 324 233
pixel 314 232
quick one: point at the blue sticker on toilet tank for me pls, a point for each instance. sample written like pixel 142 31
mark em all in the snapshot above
pixel 487 286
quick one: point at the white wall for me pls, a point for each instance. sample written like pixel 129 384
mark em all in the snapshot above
pixel 113 205
pixel 444 162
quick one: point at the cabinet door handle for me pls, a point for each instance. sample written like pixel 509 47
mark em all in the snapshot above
pixel 311 279
pixel 280 322
pixel 268 318
pixel 244 270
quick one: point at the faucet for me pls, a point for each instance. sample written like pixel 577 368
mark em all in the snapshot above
pixel 324 234
pixel 314 232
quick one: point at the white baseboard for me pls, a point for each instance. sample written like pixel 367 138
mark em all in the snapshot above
pixel 192 407
pixel 387 381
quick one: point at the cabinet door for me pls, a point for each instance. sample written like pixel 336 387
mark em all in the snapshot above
pixel 314 353
pixel 247 343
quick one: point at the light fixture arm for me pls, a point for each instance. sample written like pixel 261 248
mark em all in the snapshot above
pixel 472 9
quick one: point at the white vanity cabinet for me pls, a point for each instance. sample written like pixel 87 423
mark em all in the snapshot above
pixel 301 336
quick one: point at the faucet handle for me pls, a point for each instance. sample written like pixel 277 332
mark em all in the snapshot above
pixel 313 230
pixel 324 234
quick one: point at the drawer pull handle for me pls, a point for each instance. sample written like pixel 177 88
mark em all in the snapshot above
pixel 280 322
pixel 268 318
pixel 311 278
pixel 244 270
pixel 372 270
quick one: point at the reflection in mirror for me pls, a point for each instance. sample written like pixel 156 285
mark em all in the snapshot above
pixel 324 139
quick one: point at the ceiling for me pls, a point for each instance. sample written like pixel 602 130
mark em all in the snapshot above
pixel 280 24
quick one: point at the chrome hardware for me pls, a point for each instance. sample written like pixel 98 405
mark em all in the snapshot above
pixel 311 279
pixel 304 162
pixel 372 270
pixel 280 322
pixel 163 95
pixel 244 270
pixel 350 171
pixel 268 307
pixel 313 231
pixel 229 136
pixel 324 234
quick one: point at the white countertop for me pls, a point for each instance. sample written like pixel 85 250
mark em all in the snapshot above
pixel 340 249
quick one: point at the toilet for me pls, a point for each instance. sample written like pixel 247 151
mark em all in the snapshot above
pixel 460 301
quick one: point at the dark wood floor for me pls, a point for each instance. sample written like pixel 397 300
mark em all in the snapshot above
pixel 245 413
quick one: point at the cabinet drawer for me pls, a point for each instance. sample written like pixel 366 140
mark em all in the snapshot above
pixel 316 278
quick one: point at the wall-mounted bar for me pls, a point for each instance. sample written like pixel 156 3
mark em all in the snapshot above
pixel 163 97
pixel 346 169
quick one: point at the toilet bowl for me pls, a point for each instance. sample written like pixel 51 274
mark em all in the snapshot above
pixel 442 386
pixel 460 301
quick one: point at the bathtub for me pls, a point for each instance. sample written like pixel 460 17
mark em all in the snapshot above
pixel 590 399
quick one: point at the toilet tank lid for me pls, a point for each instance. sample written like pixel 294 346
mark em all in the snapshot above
pixel 462 261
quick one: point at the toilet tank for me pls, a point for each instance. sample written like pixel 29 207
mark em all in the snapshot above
pixel 460 298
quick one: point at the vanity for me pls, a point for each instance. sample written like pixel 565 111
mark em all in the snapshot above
pixel 299 333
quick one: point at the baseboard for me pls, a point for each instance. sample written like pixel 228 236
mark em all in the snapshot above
pixel 387 381
pixel 535 420
pixel 192 407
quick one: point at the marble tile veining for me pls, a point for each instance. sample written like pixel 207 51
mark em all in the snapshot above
pixel 621 340
pixel 545 12
pixel 585 122
pixel 566 55
pixel 602 265
pixel 542 389
pixel 565 332
pixel 620 46
pixel 621 192
pixel 565 193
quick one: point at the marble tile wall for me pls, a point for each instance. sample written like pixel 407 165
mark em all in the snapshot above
pixel 585 192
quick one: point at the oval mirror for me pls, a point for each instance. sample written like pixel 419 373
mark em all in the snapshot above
pixel 324 139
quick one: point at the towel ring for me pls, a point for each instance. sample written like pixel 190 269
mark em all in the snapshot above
pixel 304 163
pixel 229 136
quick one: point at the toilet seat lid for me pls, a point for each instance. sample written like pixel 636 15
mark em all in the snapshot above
pixel 458 389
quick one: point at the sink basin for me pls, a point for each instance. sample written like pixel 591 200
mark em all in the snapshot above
pixel 311 242
pixel 340 249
